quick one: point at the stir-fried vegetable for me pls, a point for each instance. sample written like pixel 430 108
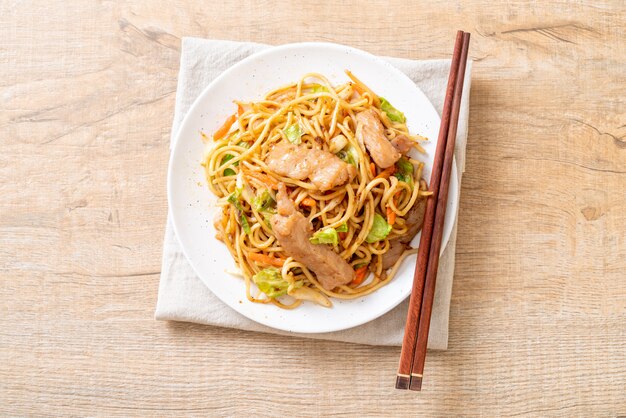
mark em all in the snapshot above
pixel 229 171
pixel 308 201
pixel 306 293
pixel 243 189
pixel 393 113
pixel 241 216
pixel 262 201
pixel 391 216
pixel 361 88
pixel 342 228
pixel 325 236
pixel 318 88
pixel 270 282
pixel 380 230
pixel 361 274
pixel 404 171
pixel 338 143
pixel 349 155
pixel 266 259
pixel 269 181
pixel 223 130
pixel 294 133
pixel 386 173
pixel 267 215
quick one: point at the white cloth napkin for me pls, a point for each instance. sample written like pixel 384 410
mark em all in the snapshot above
pixel 184 297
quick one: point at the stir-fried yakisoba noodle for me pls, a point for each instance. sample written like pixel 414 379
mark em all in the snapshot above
pixel 316 191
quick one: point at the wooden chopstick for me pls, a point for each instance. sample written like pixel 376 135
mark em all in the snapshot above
pixel 403 377
pixel 419 358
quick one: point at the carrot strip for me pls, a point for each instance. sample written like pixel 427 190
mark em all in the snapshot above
pixel 343 235
pixel 373 169
pixel 308 201
pixel 239 109
pixel 391 216
pixel 225 128
pixel 269 181
pixel 386 173
pixel 266 259
pixel 361 273
pixel 360 87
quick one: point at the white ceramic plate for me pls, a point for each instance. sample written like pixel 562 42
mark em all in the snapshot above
pixel 191 203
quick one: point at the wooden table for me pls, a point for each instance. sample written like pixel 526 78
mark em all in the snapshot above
pixel 538 316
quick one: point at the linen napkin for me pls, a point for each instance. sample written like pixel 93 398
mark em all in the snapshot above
pixel 184 297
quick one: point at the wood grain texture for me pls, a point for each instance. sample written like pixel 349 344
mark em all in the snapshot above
pixel 538 316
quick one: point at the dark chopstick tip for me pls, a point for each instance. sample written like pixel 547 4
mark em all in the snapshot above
pixel 402 382
pixel 416 383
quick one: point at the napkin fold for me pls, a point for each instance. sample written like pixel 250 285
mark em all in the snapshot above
pixel 184 297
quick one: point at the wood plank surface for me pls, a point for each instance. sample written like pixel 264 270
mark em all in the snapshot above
pixel 538 315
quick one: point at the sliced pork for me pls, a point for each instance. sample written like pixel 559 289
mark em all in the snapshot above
pixel 293 230
pixel 402 143
pixel 371 133
pixel 323 169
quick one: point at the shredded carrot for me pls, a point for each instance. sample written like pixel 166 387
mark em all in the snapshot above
pixel 373 169
pixel 225 127
pixel 263 178
pixel 358 89
pixel 391 216
pixel 239 109
pixel 361 88
pixel 343 235
pixel 361 274
pixel 266 259
pixel 386 172
pixel 308 201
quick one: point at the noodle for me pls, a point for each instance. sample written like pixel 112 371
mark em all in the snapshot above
pixel 235 166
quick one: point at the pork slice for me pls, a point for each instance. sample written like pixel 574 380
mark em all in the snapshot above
pixel 371 133
pixel 324 169
pixel 292 230
pixel 402 143
pixel 414 221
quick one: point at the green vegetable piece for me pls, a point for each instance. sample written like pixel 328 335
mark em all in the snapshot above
pixel 262 201
pixel 294 133
pixel 393 113
pixel 342 228
pixel 349 155
pixel 325 236
pixel 267 215
pixel 380 230
pixel 404 171
pixel 229 171
pixel 405 166
pixel 318 88
pixel 243 144
pixel 271 282
pixel 241 216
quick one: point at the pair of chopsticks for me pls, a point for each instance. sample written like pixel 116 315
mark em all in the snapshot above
pixel 413 355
